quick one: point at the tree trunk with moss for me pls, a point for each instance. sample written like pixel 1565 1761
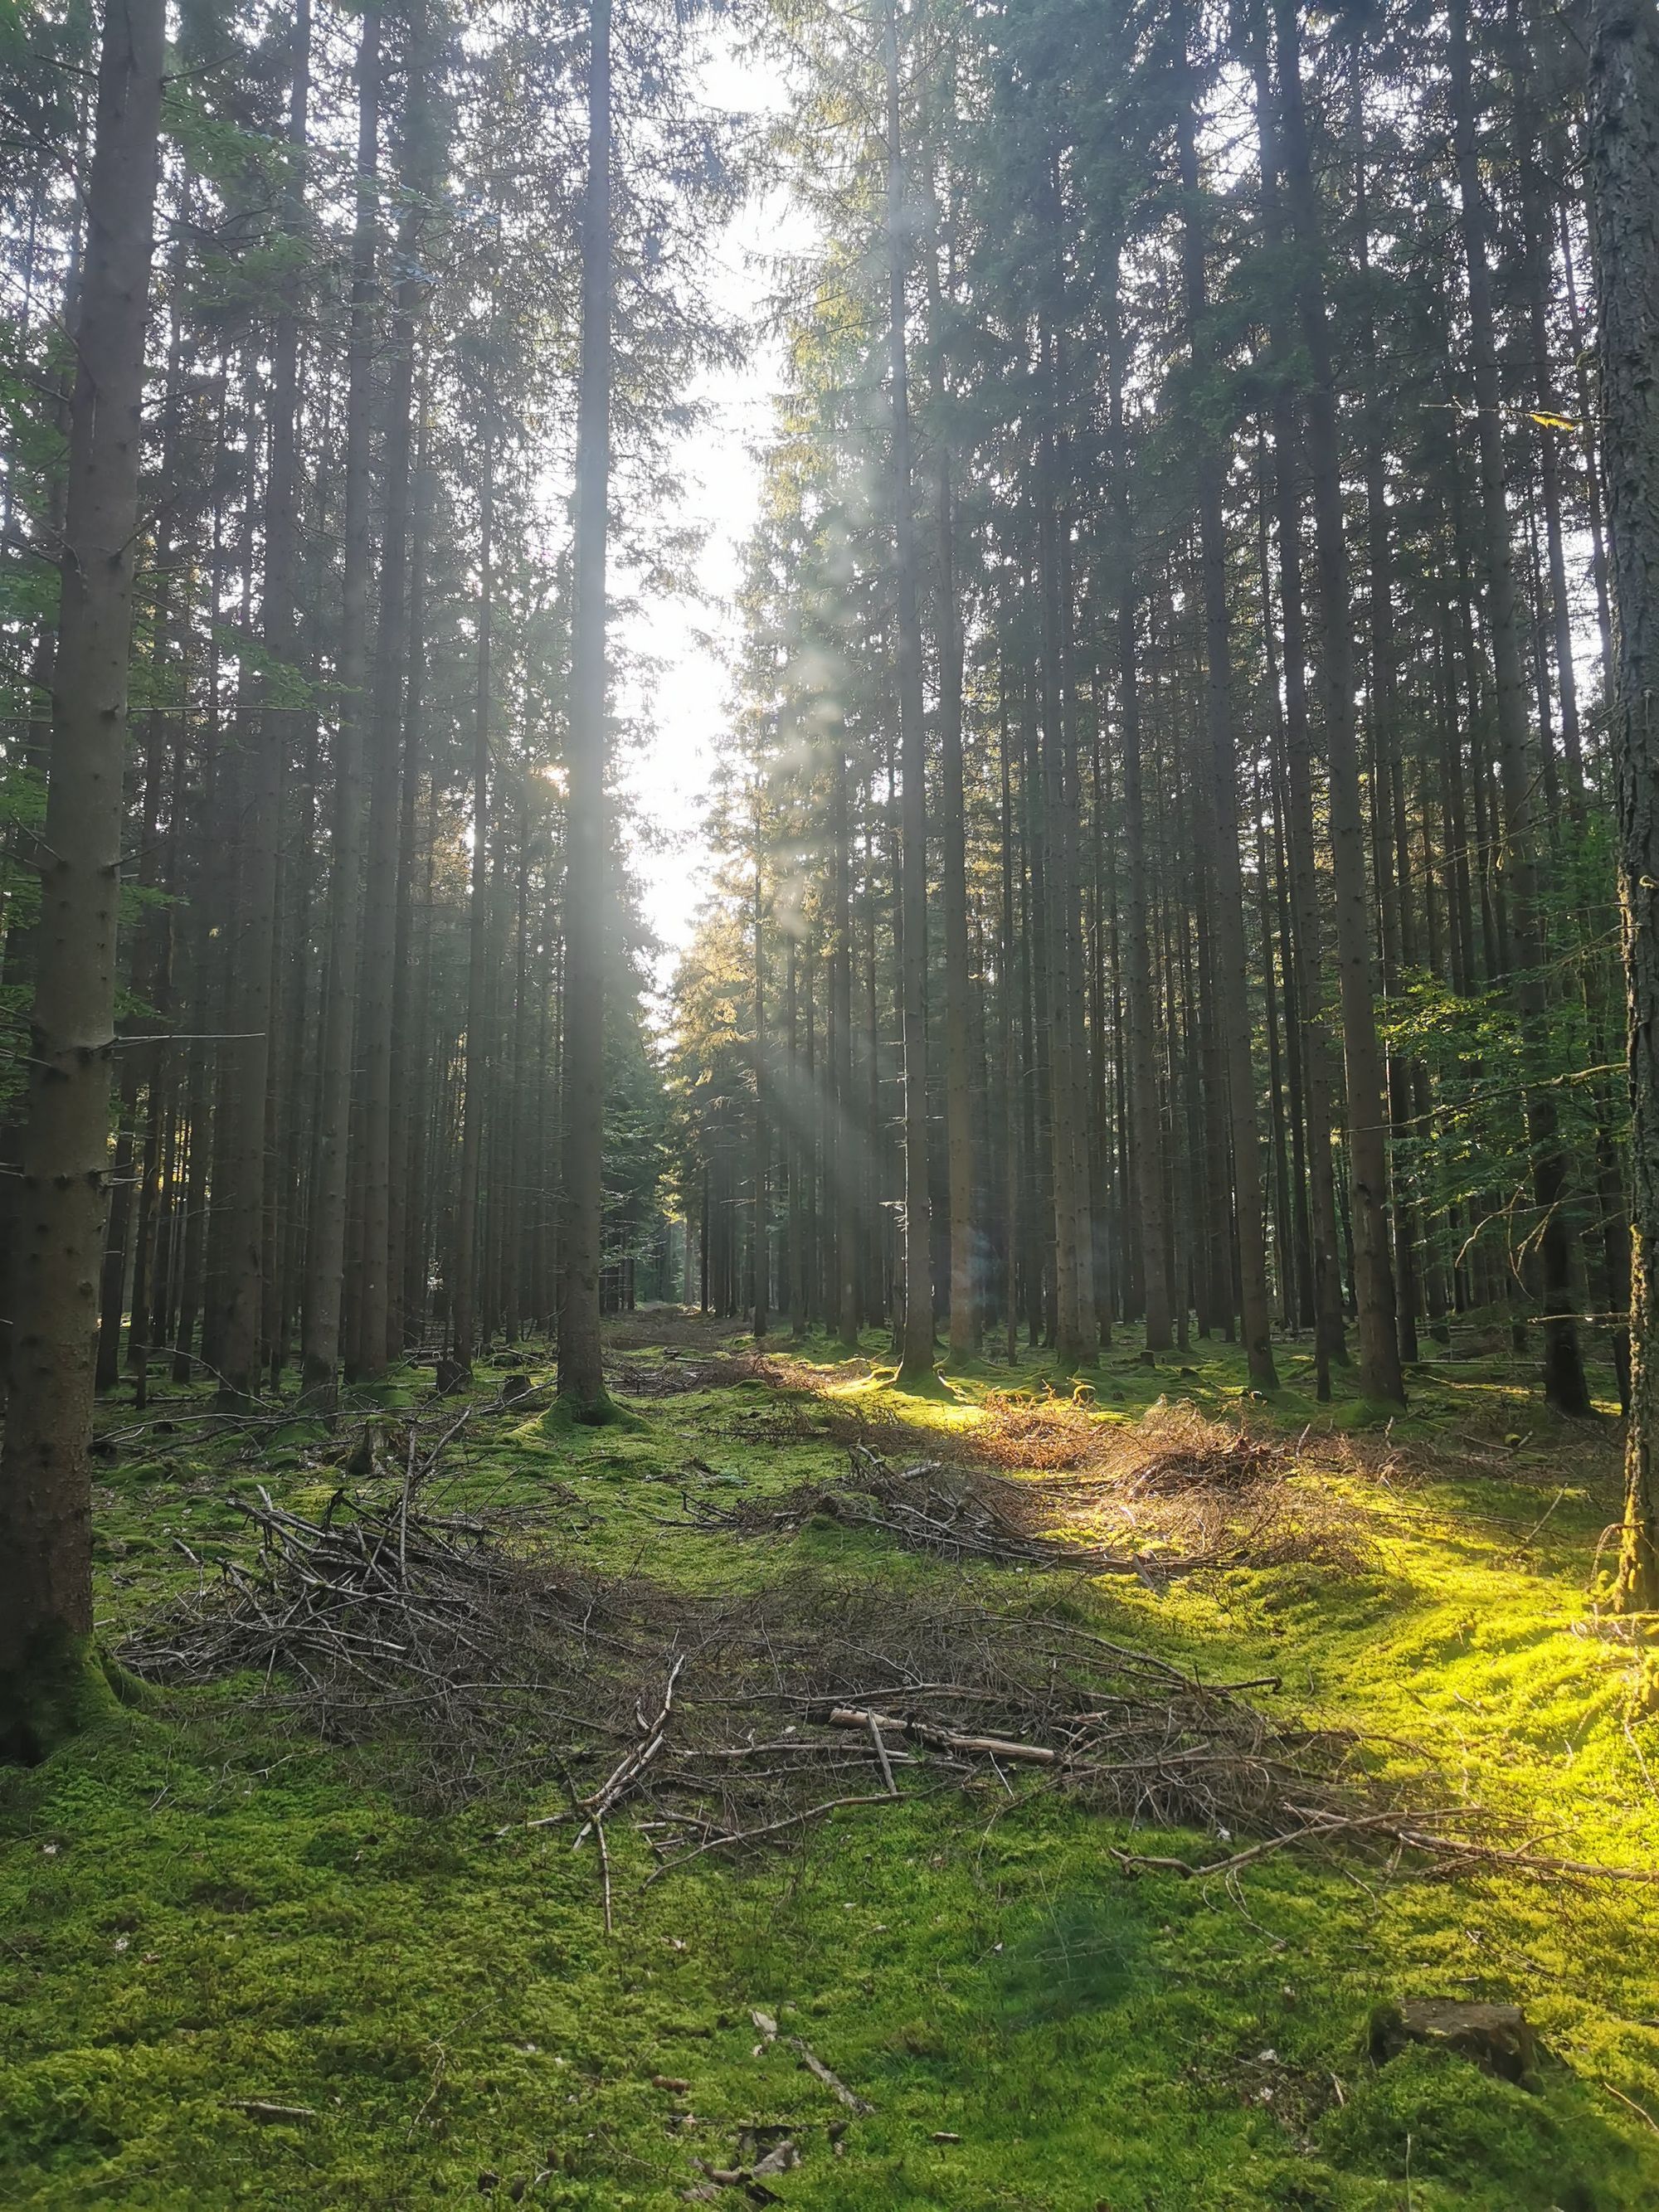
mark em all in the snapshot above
pixel 46 1674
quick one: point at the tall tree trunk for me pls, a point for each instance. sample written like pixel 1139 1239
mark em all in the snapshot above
pixel 1380 1377
pixel 150 980
pixel 796 1131
pixel 761 1230
pixel 586 908
pixel 1077 1330
pixel 1564 1371
pixel 385 727
pixel 846 1180
pixel 966 1235
pixel 47 1677
pixel 406 1239
pixel 1007 1030
pixel 1145 1131
pixel 1391 840
pixel 464 1269
pixel 247 1261
pixel 916 1345
pixel 1624 150
pixel 1330 1344
pixel 326 1247
pixel 19 966
pixel 1228 909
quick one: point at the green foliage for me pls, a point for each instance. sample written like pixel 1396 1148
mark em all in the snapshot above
pixel 1471 1152
pixel 636 1125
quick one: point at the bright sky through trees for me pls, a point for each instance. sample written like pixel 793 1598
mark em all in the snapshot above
pixel 680 697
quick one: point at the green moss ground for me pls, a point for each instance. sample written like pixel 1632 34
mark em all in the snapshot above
pixel 197 1908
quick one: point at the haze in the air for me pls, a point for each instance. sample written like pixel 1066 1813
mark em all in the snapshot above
pixel 681 699
pixel 830 1105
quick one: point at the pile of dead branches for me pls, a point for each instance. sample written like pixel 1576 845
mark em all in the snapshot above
pixel 725 1721
pixel 1203 1497
pixel 717 1725
pixel 1189 1453
pixel 676 1376
pixel 374 1616
pixel 951 1513
pixel 1021 1431
pixel 1216 1493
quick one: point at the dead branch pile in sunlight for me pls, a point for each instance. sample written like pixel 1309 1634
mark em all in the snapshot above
pixel 1013 1430
pixel 1211 1490
pixel 947 1511
pixel 726 1722
pixel 1043 1433
pixel 1171 1496
pixel 476 1663
pixel 1181 1451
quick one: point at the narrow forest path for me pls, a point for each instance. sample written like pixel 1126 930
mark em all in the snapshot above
pixel 248 1964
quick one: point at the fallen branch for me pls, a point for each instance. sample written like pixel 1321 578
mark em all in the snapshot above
pixel 1391 1827
pixel 832 2081
pixel 982 1747
pixel 1640 2111
pixel 741 1836
pixel 622 1778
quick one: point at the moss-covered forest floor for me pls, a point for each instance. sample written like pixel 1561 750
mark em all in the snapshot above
pixel 243 1966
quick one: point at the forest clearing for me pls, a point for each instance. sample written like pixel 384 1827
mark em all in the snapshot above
pixel 829 1103
pixel 298 1937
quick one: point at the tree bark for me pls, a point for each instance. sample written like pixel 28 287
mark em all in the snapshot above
pixel 1145 1126
pixel 760 1233
pixel 47 1676
pixel 378 984
pixel 405 1225
pixel 967 1237
pixel 464 1264
pixel 247 1261
pixel 916 1342
pixel 1623 150
pixel 1077 1332
pixel 1221 776
pixel 1565 1386
pixel 1380 1377
pixel 326 1245
pixel 581 1376
pixel 847 1158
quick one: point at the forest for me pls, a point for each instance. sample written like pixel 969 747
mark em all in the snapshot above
pixel 936 1484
